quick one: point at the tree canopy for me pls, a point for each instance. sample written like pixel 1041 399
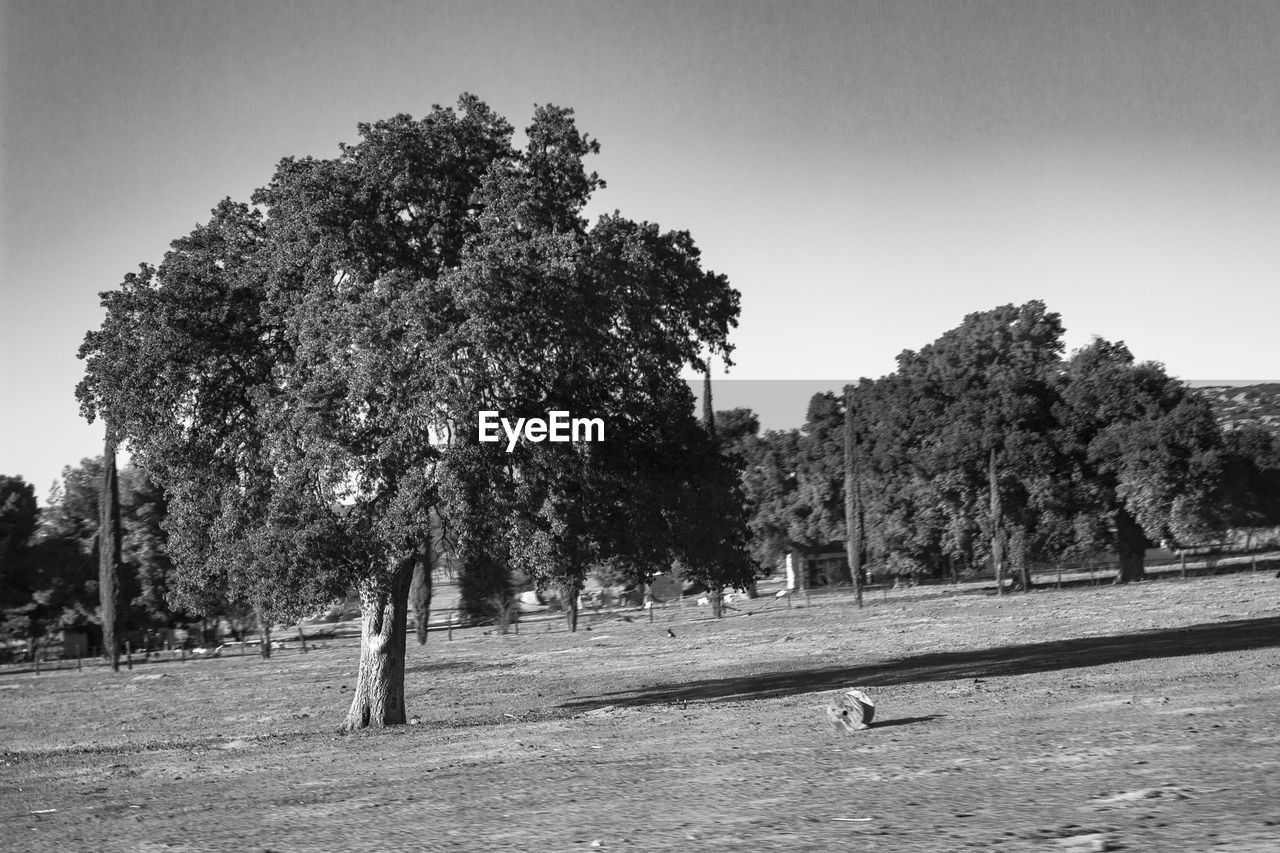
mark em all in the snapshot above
pixel 303 376
pixel 987 444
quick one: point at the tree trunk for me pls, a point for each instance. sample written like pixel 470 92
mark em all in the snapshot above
pixel 852 523
pixel 264 633
pixel 569 593
pixel 997 544
pixel 420 590
pixel 109 553
pixel 1131 548
pixel 1018 556
pixel 716 594
pixel 504 612
pixel 384 623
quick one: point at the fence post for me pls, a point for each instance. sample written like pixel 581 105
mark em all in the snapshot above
pixel 450 624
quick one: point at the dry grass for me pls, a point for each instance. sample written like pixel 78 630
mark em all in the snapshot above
pixel 1140 718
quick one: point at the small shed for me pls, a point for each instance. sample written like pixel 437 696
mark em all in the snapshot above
pixel 816 566
pixel 77 642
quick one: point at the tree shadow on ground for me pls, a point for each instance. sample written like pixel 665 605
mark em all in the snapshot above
pixel 901 721
pixel 1208 638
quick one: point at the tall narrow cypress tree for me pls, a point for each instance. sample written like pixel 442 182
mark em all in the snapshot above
pixel 852 525
pixel 997 543
pixel 109 552
pixel 709 423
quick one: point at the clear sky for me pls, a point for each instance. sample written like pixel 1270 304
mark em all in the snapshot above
pixel 866 173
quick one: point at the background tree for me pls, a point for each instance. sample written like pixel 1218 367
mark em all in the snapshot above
pixel 982 397
pixel 145 552
pixel 66 556
pixel 476 494
pixel 73 510
pixel 420 588
pixel 52 582
pixel 710 525
pixel 735 428
pixel 820 512
pixel 18 519
pixel 770 489
pixel 1147 454
pixel 905 523
pixel 50 572
pixel 1251 476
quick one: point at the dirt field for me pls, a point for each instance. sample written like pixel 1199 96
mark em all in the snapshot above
pixel 1139 718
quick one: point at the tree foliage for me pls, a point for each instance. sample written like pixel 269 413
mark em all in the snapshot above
pixel 988 442
pixel 770 484
pixel 1146 454
pixel 50 574
pixel 303 377
pixel 1251 476
pixel 18 519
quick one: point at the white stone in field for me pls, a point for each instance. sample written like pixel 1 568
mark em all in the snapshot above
pixel 851 711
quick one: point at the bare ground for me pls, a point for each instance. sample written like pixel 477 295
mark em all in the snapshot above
pixel 1098 718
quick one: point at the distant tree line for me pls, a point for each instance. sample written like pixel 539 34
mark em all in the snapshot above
pixel 989 447
pixel 49 560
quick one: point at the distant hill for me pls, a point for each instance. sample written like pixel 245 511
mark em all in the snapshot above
pixel 1236 406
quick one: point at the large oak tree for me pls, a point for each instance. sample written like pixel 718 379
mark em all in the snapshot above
pixel 303 377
